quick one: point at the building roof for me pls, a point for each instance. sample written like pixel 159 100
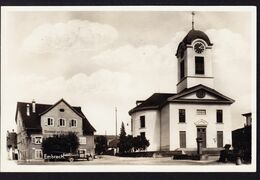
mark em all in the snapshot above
pixel 192 35
pixel 32 123
pixel 158 100
pixel 221 98
pixel 153 102
pixel 113 143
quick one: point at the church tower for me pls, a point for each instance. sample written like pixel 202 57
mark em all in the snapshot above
pixel 194 60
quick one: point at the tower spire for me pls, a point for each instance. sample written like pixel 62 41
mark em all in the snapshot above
pixel 193 14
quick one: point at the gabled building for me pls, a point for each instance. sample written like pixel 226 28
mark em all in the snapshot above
pixel 38 121
pixel 173 121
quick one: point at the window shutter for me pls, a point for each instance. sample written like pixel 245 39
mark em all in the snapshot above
pixel 70 124
pixel 46 122
pixel 33 140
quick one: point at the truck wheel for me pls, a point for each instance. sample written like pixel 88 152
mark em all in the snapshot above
pixel 71 159
pixel 90 158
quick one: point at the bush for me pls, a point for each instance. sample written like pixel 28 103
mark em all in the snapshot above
pixel 101 144
pixel 57 144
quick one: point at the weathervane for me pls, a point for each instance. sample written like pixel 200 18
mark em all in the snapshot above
pixel 193 14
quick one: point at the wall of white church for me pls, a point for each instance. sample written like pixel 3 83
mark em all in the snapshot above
pixel 151 129
pixel 165 128
pixel 191 129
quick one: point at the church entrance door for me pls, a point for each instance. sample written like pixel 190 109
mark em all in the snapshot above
pixel 201 133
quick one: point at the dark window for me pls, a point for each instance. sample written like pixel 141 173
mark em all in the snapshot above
pixel 50 121
pixel 199 65
pixel 61 110
pixel 182 139
pixel 181 69
pixel 62 122
pixel 220 139
pixel 219 116
pixel 142 134
pixel 142 121
pixel 73 123
pixel 182 115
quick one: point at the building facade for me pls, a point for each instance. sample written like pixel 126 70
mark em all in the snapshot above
pixel 242 138
pixel 11 143
pixel 38 121
pixel 173 121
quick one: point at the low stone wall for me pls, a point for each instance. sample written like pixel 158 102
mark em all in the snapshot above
pixel 179 152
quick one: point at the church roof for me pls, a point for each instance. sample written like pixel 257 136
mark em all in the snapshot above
pixel 192 35
pixel 32 123
pixel 221 99
pixel 158 100
pixel 196 34
pixel 153 102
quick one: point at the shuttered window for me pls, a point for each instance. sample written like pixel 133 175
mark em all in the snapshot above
pixel 219 116
pixel 73 123
pixel 182 115
pixel 49 121
pixel 142 121
pixel 182 139
pixel 62 122
pixel 220 139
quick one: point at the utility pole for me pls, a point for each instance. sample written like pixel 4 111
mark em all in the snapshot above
pixel 116 120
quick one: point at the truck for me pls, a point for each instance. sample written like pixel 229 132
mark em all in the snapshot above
pixel 64 156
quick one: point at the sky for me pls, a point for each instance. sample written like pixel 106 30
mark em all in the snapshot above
pixel 100 60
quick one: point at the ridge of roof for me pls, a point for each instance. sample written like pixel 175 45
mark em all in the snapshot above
pixel 62 100
pixel 32 122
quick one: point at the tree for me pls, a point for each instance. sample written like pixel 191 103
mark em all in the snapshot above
pixel 140 143
pixel 122 139
pixel 129 143
pixel 122 131
pixel 68 143
pixel 101 144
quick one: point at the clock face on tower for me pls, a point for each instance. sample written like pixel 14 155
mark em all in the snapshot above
pixel 199 47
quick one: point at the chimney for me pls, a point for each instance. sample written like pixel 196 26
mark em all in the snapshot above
pixel 33 106
pixel 28 110
pixel 138 102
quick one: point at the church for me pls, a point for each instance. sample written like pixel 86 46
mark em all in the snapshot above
pixel 173 121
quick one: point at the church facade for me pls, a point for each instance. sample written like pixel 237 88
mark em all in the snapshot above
pixel 173 121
